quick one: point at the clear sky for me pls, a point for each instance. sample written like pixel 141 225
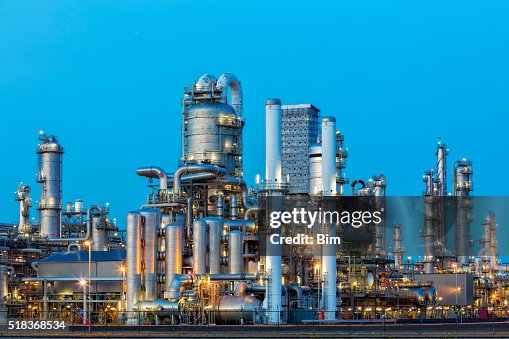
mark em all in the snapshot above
pixel 107 77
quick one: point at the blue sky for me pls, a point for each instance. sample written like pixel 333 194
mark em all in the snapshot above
pixel 107 77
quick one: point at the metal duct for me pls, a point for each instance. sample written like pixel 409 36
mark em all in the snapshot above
pixel 133 262
pixel 235 252
pixel 230 81
pixel 173 258
pixel 247 202
pixel 49 176
pixel 199 247
pixel 152 224
pixel 160 306
pixel 154 172
pixel 220 206
pixel 273 140
pixel 191 169
pixel 329 155
pixel 234 207
pixel 98 210
pixel 177 283
pixel 215 231
pixel 249 211
pixel 273 295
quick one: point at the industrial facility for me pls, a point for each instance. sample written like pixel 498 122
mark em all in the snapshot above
pixel 198 251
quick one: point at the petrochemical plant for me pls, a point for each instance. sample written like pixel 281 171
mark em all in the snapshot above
pixel 197 251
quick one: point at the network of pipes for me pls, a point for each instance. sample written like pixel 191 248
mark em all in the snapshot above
pixel 196 251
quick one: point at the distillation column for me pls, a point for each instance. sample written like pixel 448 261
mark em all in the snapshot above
pixel 462 187
pixel 50 177
pixel 23 196
pixel 429 223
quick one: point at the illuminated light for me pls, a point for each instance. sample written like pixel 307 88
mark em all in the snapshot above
pixel 87 243
pixel 83 282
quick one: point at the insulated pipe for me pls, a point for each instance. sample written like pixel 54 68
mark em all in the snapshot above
pixel 99 234
pixel 89 226
pixel 177 283
pixel 252 210
pixel 152 224
pixel 234 207
pixel 191 169
pixel 273 140
pixel 215 230
pixel 154 172
pixel 189 216
pixel 329 156
pixel 247 202
pixel 133 262
pixel 230 81
pixel 220 206
pixel 199 247
pixel 173 249
pixel 235 252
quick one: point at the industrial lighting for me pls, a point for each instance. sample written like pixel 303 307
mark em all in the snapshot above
pixel 87 243
pixel 83 282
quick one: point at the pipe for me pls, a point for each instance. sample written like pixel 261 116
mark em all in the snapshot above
pixel 220 206
pixel 177 283
pixel 189 216
pixel 191 169
pixel 105 278
pixel 160 306
pixel 173 257
pixel 273 140
pixel 235 252
pixel 240 288
pixel 154 172
pixel 230 81
pixel 234 207
pixel 298 294
pixel 89 226
pixel 70 246
pixel 216 226
pixel 250 211
pixel 247 201
pixel 199 247
pixel 361 182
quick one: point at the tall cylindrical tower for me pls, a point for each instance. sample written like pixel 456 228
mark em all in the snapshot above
pixel 329 155
pixel 273 140
pixel 50 177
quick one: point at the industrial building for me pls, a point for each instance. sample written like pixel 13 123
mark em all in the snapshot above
pixel 197 252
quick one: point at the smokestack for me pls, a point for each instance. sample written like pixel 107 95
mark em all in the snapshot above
pixel 273 140
pixel 329 155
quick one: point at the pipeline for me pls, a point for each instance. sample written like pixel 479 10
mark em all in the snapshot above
pixel 191 169
pixel 154 172
pixel 247 201
pixel 89 226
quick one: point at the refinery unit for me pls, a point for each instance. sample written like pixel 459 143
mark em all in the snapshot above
pixel 194 252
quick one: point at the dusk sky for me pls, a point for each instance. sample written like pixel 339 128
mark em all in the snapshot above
pixel 107 78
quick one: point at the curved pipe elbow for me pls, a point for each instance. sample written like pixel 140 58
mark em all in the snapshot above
pixel 247 201
pixel 154 172
pixel 192 169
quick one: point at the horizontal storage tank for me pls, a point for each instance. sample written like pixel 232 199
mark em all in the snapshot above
pixel 236 309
